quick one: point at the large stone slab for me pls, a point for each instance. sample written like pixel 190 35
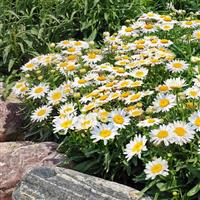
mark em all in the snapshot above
pixel 17 158
pixel 46 183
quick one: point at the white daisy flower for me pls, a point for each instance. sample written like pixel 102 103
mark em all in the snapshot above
pixel 62 125
pixel 30 66
pixel 103 115
pixel 196 81
pixel 175 83
pixel 92 58
pixel 86 121
pixel 56 96
pixel 128 31
pixel 187 24
pixel 194 119
pixel 164 102
pixel 193 92
pixel 104 132
pixel 80 82
pixel 80 44
pixel 162 88
pixel 196 34
pixel 149 28
pixel 166 26
pixel 162 134
pixel 139 73
pixel 177 66
pixel 38 91
pixel 64 44
pixel 134 97
pixel 156 167
pixel 72 50
pixel 135 147
pixel 41 113
pixel 182 132
pixel 67 109
pixel 119 118
pixel 149 122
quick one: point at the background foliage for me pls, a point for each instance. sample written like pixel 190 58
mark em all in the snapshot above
pixel 27 27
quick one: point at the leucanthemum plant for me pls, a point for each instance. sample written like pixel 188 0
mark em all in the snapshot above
pixel 128 111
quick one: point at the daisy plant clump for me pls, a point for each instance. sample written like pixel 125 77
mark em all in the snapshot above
pixel 129 110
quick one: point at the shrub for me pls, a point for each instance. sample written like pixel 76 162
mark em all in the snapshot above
pixel 128 110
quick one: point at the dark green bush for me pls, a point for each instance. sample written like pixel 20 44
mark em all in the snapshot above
pixel 28 26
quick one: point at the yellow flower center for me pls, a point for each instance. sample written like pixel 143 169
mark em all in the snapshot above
pixel 41 112
pixel 92 55
pixel 118 119
pixel 71 67
pixel 56 96
pixel 136 113
pixel 23 89
pixel 148 26
pixel 163 88
pixel 104 97
pixel 65 42
pixel 89 106
pixel 137 147
pixel 164 41
pixel 82 81
pixel 193 93
pixel 63 64
pixel 197 121
pixel 164 103
pixel 180 131
pixel 125 94
pixel 197 35
pixel 128 29
pixel 71 57
pixel 154 41
pixel 66 124
pixel 135 96
pixel 30 65
pixel 157 168
pixel 69 109
pixel 151 121
pixel 101 78
pixel 189 23
pixel 78 43
pixel 177 65
pixel 105 133
pixel 162 134
pixel 86 123
pixel 166 27
pixel 140 46
pixel 139 74
pixel 71 50
pixel 39 90
pixel 167 18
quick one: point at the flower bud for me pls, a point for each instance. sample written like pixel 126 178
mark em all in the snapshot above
pixel 82 71
pixel 40 78
pixel 52 45
pixel 77 95
pixel 27 76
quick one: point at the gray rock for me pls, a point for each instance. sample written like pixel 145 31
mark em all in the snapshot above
pixel 45 183
pixel 10 120
pixel 17 158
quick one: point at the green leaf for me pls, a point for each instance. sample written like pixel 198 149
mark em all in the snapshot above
pixel 194 190
pixel 10 64
pixel 93 35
